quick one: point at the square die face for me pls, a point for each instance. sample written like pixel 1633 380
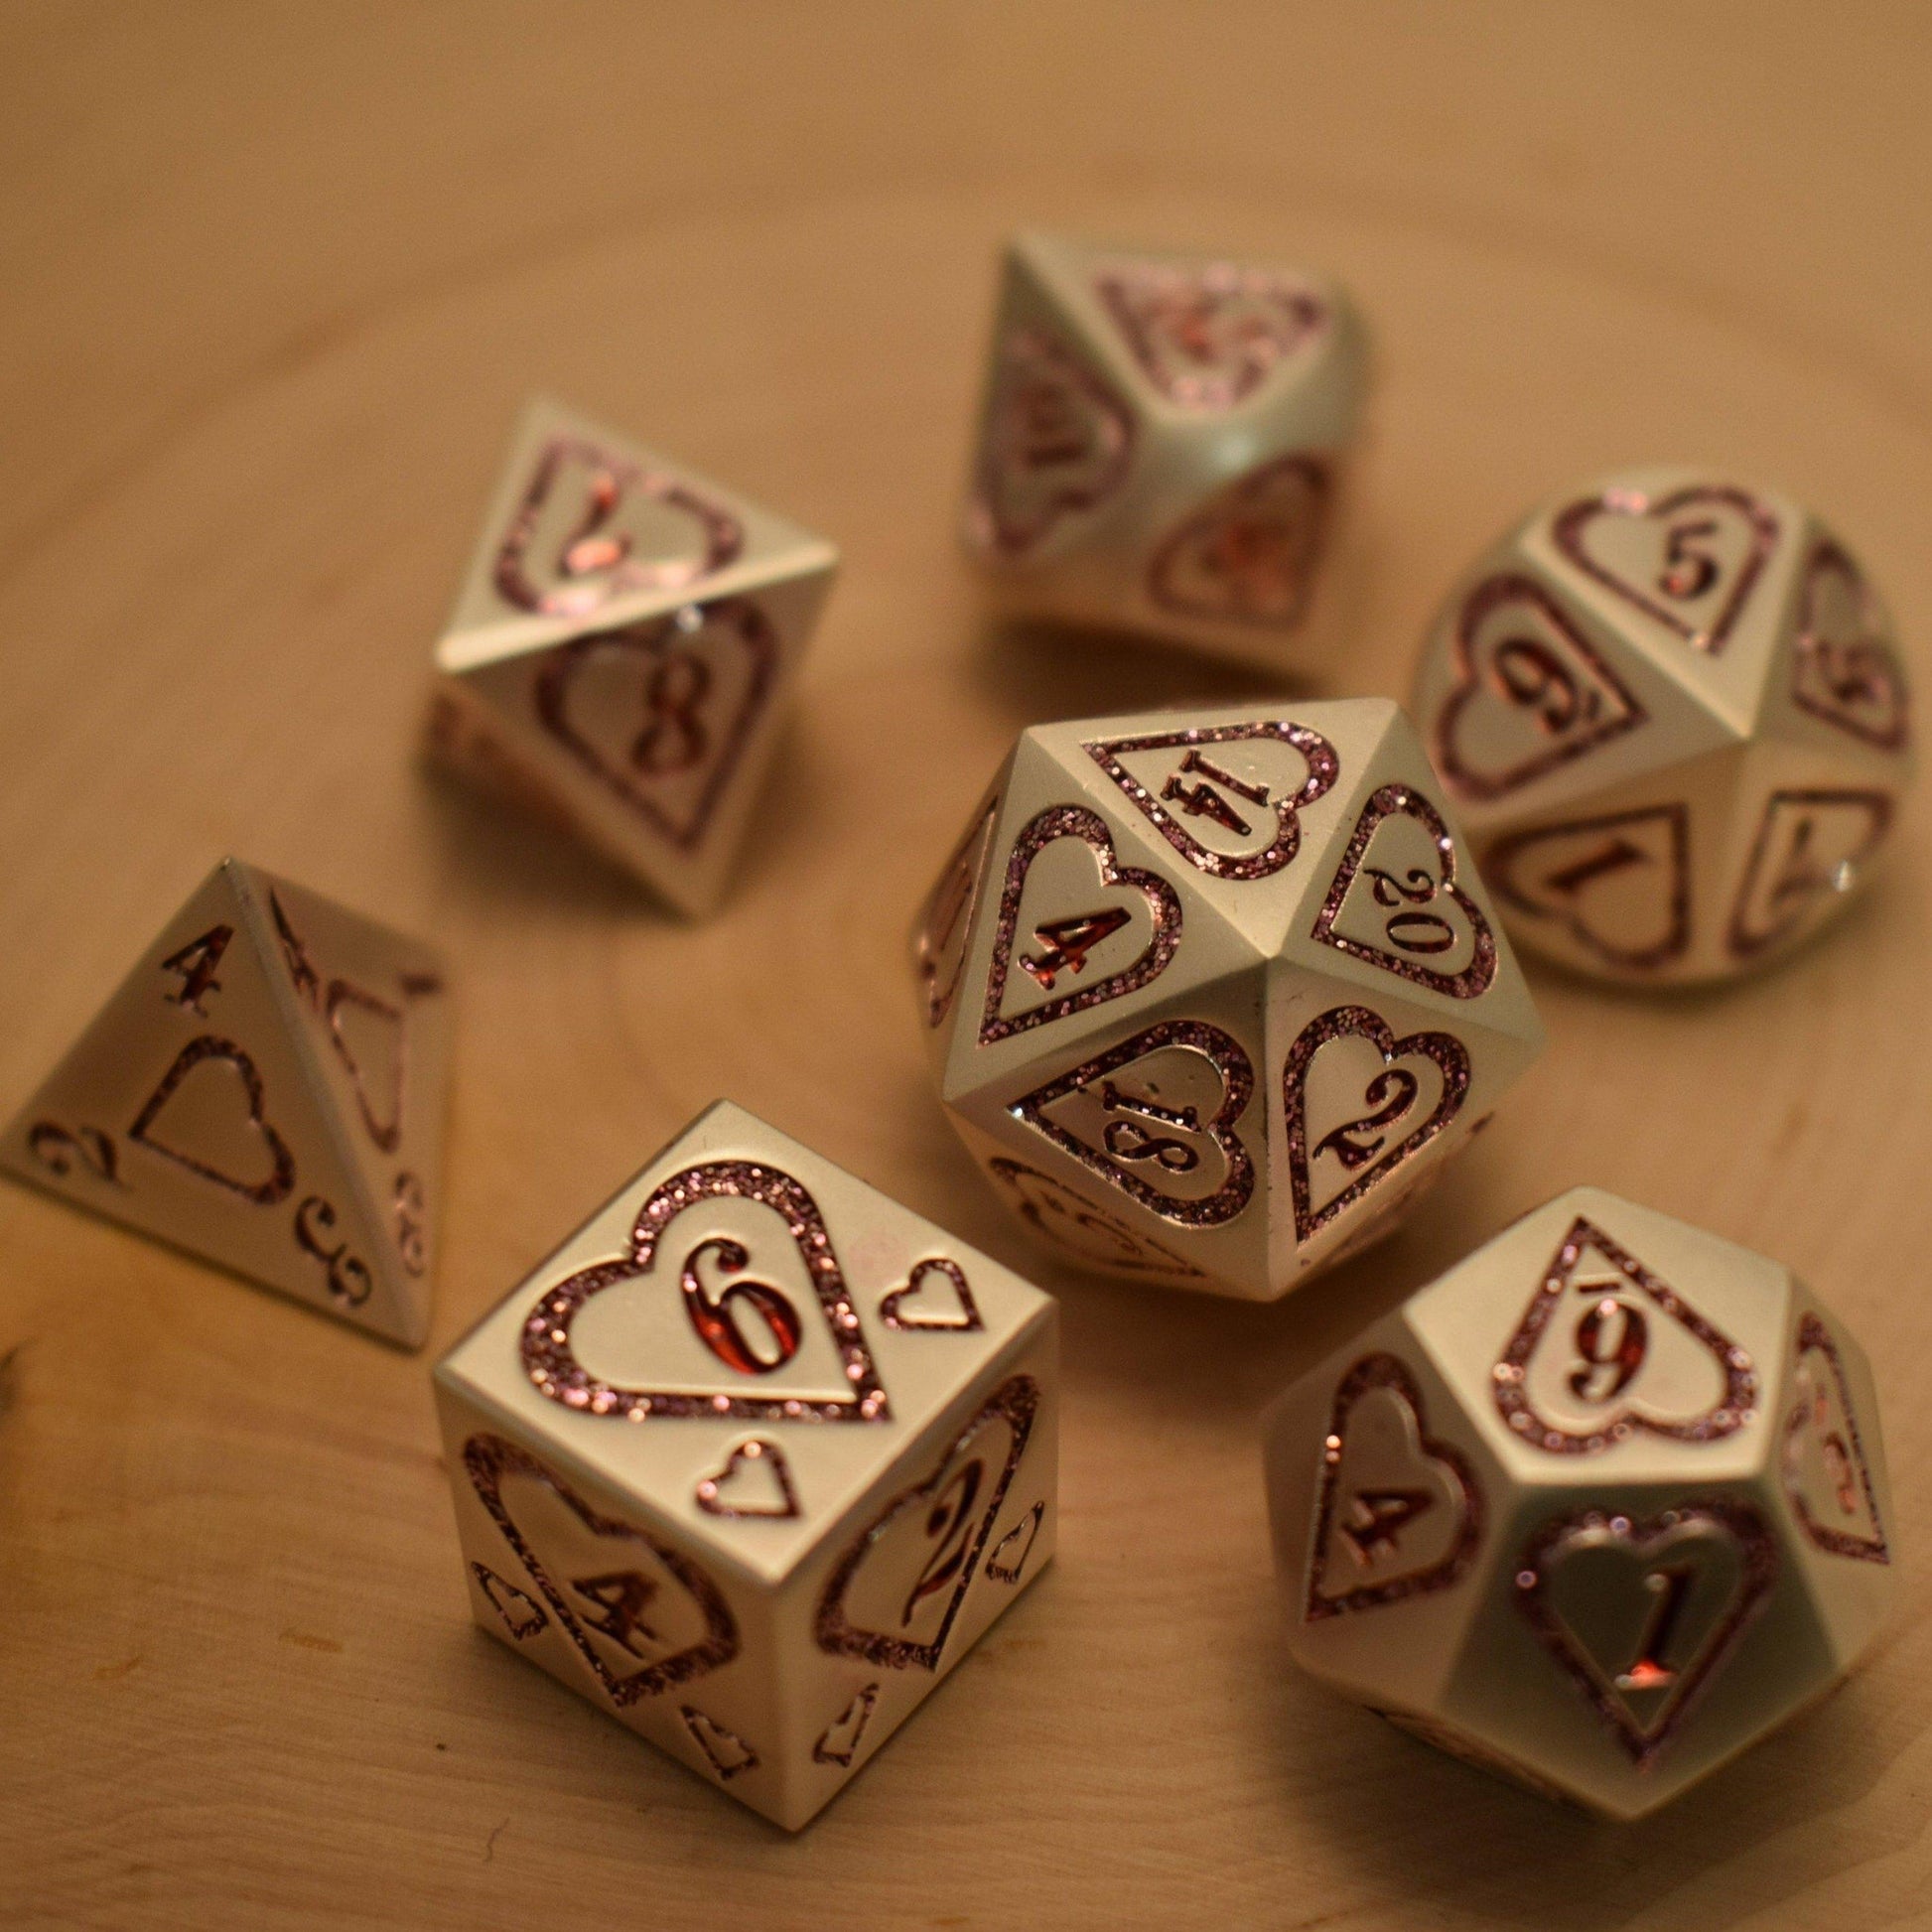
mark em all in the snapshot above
pixel 744 1291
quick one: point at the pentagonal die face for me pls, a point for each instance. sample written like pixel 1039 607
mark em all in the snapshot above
pixel 1161 442
pixel 1596 1509
pixel 1672 711
pixel 621 649
pixel 1213 993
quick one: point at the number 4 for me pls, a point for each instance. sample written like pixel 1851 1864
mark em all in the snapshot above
pixel 195 963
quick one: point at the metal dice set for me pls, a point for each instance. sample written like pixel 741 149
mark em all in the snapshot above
pixel 1213 995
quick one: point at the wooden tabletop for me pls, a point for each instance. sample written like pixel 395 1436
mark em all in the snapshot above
pixel 276 281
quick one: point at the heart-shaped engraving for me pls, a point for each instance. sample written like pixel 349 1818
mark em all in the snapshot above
pixel 1619 885
pixel 1072 917
pixel 1241 788
pixel 725 1750
pixel 1687 559
pixel 1356 1106
pixel 895 1594
pixel 1606 1349
pixel 1399 1513
pixel 622 1606
pixel 1844 668
pixel 1249 554
pixel 1070 1220
pixel 220 1131
pixel 935 1297
pixel 552 1364
pixel 1056 441
pixel 1825 1473
pixel 1808 849
pixel 838 1743
pixel 946 919
pixel 756 1482
pixel 1640 1614
pixel 659 712
pixel 592 526
pixel 1395 904
pixel 1008 1559
pixel 1530 693
pixel 1208 336
pixel 1155 1117
pixel 523 1616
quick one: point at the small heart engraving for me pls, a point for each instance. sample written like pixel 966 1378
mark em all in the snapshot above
pixel 222 1119
pixel 838 1743
pixel 755 1481
pixel 921 1304
pixel 725 1750
pixel 1010 1553
pixel 1250 553
pixel 1825 1475
pixel 523 1616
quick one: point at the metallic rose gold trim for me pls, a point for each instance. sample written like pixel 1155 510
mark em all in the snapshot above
pixel 849 1726
pixel 1547 1549
pixel 1488 596
pixel 206 1047
pixel 1831 677
pixel 1323 769
pixel 489 1460
pixel 1570 525
pixel 553 1367
pixel 1388 1372
pixel 1510 1376
pixel 1237 1076
pixel 1163 903
pixel 1394 801
pixel 1138 1252
pixel 948 915
pixel 1260 539
pixel 1498 866
pixel 1813 1334
pixel 1013 1402
pixel 1341 1022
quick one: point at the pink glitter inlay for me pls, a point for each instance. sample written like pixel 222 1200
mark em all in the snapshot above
pixel 946 919
pixel 1050 1208
pixel 1855 683
pixel 1250 553
pixel 1812 1335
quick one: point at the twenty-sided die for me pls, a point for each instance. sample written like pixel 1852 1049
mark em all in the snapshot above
pixel 1671 711
pixel 623 650
pixel 1160 444
pixel 1596 1509
pixel 1212 995
pixel 753 1459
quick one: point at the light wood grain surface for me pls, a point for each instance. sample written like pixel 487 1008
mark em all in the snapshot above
pixel 275 281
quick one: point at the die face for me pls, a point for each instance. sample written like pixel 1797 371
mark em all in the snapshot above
pixel 623 644
pixel 1190 927
pixel 1619 1479
pixel 265 1089
pixel 1161 442
pixel 1674 712
pixel 836 1414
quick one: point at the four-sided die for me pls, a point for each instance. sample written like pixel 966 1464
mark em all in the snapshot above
pixel 1595 1509
pixel 753 1459
pixel 1670 708
pixel 1160 443
pixel 1211 995
pixel 623 650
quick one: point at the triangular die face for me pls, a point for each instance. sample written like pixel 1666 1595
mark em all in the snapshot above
pixel 191 1110
pixel 1806 846
pixel 378 1015
pixel 1840 683
pixel 587 527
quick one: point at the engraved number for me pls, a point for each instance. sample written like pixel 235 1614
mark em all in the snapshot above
pixel 1128 1140
pixel 349 1281
pixel 586 550
pixel 308 982
pixel 58 1147
pixel 1201 801
pixel 622 1597
pixel 1614 857
pixel 1065 944
pixel 717 1323
pixel 1390 1094
pixel 1380 1516
pixel 673 740
pixel 950 1526
pixel 1649 1672
pixel 1612 1339
pixel 1689 572
pixel 410 1215
pixel 1533 678
pixel 1838 1459
pixel 195 963
pixel 1408 931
